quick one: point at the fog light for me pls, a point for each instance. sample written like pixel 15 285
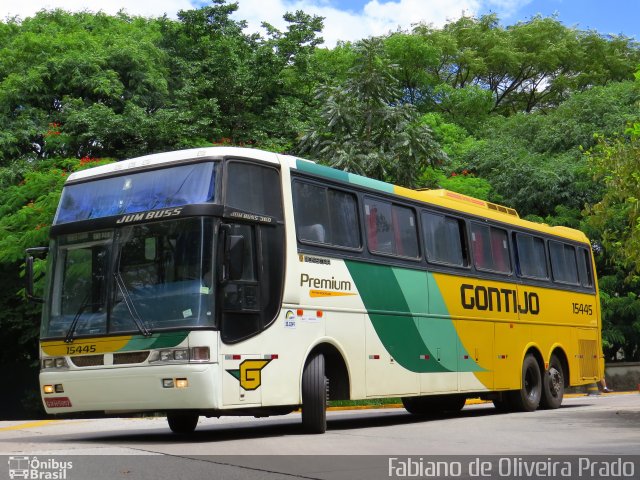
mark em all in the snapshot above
pixel 167 382
pixel 59 388
pixel 48 389
pixel 182 383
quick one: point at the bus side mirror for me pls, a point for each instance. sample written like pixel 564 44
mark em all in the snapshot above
pixel 235 256
pixel 29 278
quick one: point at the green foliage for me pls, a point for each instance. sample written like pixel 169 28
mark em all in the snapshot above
pixel 363 126
pixel 528 66
pixel 617 216
pixel 535 161
pixel 464 182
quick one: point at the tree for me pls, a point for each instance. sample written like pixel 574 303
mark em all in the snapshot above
pixel 365 128
pixel 531 65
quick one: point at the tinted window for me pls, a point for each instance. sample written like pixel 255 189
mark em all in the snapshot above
pixel 391 228
pixel 327 216
pixel 254 188
pixel 444 239
pixel 584 267
pixel 563 262
pixel 137 192
pixel 531 256
pixel 490 248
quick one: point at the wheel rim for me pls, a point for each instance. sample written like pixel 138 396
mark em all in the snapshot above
pixel 555 381
pixel 531 384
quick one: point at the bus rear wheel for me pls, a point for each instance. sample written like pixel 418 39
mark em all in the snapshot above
pixel 433 404
pixel 553 385
pixel 182 423
pixel 314 395
pixel 528 397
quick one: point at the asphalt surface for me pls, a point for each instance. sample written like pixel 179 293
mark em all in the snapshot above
pixel 146 448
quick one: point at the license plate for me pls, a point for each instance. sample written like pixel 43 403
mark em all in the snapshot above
pixel 57 402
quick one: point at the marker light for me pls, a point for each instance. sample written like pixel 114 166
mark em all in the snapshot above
pixel 48 389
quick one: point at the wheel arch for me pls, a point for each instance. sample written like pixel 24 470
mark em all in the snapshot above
pixel 336 368
pixel 534 350
pixel 559 351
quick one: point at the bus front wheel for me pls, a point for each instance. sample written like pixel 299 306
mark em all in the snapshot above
pixel 182 423
pixel 528 397
pixel 314 395
pixel 553 385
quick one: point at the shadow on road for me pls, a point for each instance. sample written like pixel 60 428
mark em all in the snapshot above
pixel 276 427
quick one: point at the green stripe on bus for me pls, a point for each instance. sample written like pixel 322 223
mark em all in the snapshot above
pixel 409 330
pixel 157 340
pixel 334 174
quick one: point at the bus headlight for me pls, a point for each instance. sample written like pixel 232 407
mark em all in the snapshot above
pixel 54 362
pixel 182 355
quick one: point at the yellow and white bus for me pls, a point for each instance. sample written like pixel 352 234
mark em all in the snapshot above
pixel 230 281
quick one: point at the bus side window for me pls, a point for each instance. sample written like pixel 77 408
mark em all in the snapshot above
pixel 490 248
pixel 391 228
pixel 584 267
pixel 563 263
pixel 444 239
pixel 325 215
pixel 532 259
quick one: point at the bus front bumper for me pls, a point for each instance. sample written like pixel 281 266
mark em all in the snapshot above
pixel 132 389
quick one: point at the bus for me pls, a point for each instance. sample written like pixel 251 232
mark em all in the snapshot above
pixel 232 281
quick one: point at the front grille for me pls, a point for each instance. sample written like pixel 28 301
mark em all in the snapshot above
pixel 130 357
pixel 87 360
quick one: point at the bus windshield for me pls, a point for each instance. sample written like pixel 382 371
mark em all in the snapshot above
pixel 134 279
pixel 137 192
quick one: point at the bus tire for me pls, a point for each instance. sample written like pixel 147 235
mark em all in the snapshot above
pixel 553 385
pixel 182 423
pixel 528 397
pixel 429 405
pixel 314 395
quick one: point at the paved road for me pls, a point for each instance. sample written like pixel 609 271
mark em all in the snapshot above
pixel 605 425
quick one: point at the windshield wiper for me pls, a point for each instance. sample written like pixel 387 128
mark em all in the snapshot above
pixel 124 291
pixel 74 323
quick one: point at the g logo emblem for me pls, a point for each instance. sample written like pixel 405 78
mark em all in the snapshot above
pixel 250 373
